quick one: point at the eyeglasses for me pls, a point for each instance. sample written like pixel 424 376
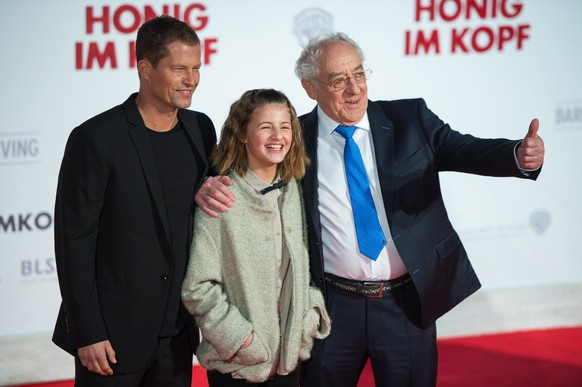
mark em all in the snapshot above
pixel 341 83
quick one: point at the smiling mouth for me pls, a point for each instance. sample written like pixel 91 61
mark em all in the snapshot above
pixel 274 147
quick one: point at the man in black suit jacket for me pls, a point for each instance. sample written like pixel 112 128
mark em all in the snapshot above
pixel 123 221
pixel 384 308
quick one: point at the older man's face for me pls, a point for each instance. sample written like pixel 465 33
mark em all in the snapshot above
pixel 347 106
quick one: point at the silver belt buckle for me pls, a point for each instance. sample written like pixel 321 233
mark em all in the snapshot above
pixel 379 285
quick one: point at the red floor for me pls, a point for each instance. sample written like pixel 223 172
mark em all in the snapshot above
pixel 545 358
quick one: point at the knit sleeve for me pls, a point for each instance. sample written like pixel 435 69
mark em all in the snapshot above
pixel 203 294
pixel 317 304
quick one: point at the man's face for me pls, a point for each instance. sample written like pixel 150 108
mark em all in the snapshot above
pixel 171 84
pixel 346 106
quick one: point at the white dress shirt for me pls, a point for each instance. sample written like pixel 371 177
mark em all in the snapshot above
pixel 338 233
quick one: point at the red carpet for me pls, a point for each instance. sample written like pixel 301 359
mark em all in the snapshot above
pixel 548 358
pixel 531 358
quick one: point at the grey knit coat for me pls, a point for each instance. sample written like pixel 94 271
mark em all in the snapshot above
pixel 231 287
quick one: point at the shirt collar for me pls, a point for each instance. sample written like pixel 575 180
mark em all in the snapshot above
pixel 256 182
pixel 326 126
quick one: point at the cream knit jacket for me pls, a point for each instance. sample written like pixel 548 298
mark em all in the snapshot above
pixel 231 287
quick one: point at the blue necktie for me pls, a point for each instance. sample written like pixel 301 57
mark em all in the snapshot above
pixel 371 238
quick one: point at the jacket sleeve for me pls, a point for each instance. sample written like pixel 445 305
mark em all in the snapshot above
pixel 203 293
pixel 459 152
pixel 80 195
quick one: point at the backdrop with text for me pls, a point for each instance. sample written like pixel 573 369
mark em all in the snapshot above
pixel 486 67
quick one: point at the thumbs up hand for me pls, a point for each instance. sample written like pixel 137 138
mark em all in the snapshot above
pixel 530 153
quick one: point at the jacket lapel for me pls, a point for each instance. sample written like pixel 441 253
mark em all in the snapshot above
pixel 194 132
pixel 309 182
pixel 140 137
pixel 383 136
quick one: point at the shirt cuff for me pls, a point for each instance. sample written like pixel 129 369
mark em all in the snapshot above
pixel 524 171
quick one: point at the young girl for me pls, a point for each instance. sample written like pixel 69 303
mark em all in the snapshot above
pixel 247 283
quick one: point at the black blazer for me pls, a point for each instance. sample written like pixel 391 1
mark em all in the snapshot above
pixel 112 245
pixel 412 145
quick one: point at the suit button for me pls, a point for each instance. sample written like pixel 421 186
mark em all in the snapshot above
pixel 165 277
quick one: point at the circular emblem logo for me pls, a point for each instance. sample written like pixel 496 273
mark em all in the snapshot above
pixel 540 221
pixel 311 23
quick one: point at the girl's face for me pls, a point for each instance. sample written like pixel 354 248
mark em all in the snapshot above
pixel 268 139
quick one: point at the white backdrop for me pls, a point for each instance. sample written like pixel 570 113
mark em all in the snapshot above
pixel 487 72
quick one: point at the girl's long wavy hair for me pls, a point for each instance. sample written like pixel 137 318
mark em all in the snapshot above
pixel 230 153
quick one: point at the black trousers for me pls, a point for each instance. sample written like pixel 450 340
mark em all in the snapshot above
pixel 401 353
pixel 217 379
pixel 170 365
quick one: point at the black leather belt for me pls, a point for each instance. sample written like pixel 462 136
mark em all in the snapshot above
pixel 372 289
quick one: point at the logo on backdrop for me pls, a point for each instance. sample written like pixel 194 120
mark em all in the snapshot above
pixel 311 23
pixel 17 223
pixel 38 268
pixel 569 115
pixel 540 221
pixel 466 27
pixel 19 148
pixel 103 21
